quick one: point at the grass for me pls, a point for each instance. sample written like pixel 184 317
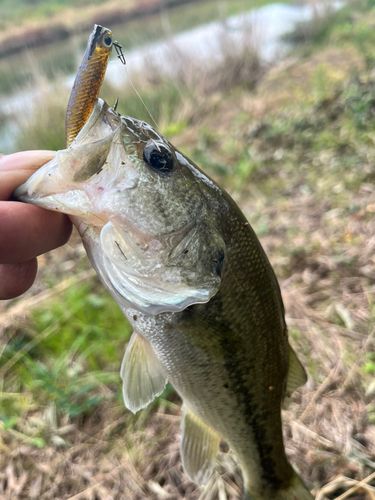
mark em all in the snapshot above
pixel 61 357
pixel 296 151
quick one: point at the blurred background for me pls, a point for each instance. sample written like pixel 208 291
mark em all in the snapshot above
pixel 276 102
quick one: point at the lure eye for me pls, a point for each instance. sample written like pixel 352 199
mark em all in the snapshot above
pixel 107 41
pixel 158 157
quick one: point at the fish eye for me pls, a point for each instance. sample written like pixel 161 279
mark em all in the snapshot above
pixel 107 41
pixel 158 157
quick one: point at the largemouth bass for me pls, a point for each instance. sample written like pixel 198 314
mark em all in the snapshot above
pixel 189 273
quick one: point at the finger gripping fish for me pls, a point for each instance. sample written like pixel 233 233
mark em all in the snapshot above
pixel 189 273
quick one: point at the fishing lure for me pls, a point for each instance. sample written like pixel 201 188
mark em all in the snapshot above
pixel 89 80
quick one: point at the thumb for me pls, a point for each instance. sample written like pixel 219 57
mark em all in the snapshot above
pixel 16 168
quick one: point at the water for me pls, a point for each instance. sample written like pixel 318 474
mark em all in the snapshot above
pixel 263 27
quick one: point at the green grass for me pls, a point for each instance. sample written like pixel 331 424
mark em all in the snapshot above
pixel 351 26
pixel 68 355
pixel 46 129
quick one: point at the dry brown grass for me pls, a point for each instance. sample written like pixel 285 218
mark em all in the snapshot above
pixel 110 457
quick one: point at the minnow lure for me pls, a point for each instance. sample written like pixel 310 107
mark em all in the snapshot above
pixel 89 80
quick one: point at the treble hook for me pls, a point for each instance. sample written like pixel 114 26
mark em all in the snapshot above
pixel 119 51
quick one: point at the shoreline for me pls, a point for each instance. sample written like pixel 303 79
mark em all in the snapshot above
pixel 68 22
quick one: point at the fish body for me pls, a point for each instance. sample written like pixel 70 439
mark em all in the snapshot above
pixel 189 273
pixel 88 81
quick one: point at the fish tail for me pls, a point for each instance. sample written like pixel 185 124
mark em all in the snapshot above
pixel 296 491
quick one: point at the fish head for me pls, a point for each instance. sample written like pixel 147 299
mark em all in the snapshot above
pixel 143 211
pixel 100 40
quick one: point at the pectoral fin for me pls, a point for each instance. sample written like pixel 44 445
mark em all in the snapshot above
pixel 199 447
pixel 296 374
pixel 142 374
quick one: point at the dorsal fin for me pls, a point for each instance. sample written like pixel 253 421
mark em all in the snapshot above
pixel 199 447
pixel 142 374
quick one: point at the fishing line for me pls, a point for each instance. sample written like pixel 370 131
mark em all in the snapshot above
pixel 142 101
pixel 121 56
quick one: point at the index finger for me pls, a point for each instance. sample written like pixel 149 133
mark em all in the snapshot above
pixel 16 168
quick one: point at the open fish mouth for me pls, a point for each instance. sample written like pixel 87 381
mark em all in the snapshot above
pixel 147 257
pixel 59 184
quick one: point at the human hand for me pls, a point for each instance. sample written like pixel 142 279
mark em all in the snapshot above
pixel 26 231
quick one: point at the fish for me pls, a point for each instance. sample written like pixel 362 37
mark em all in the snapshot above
pixel 88 81
pixel 190 275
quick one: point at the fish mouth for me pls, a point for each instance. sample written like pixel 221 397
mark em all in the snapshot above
pixel 62 183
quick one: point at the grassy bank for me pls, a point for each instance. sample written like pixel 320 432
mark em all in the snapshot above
pixel 294 145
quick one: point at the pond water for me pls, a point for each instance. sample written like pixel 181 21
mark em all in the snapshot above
pixel 34 73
